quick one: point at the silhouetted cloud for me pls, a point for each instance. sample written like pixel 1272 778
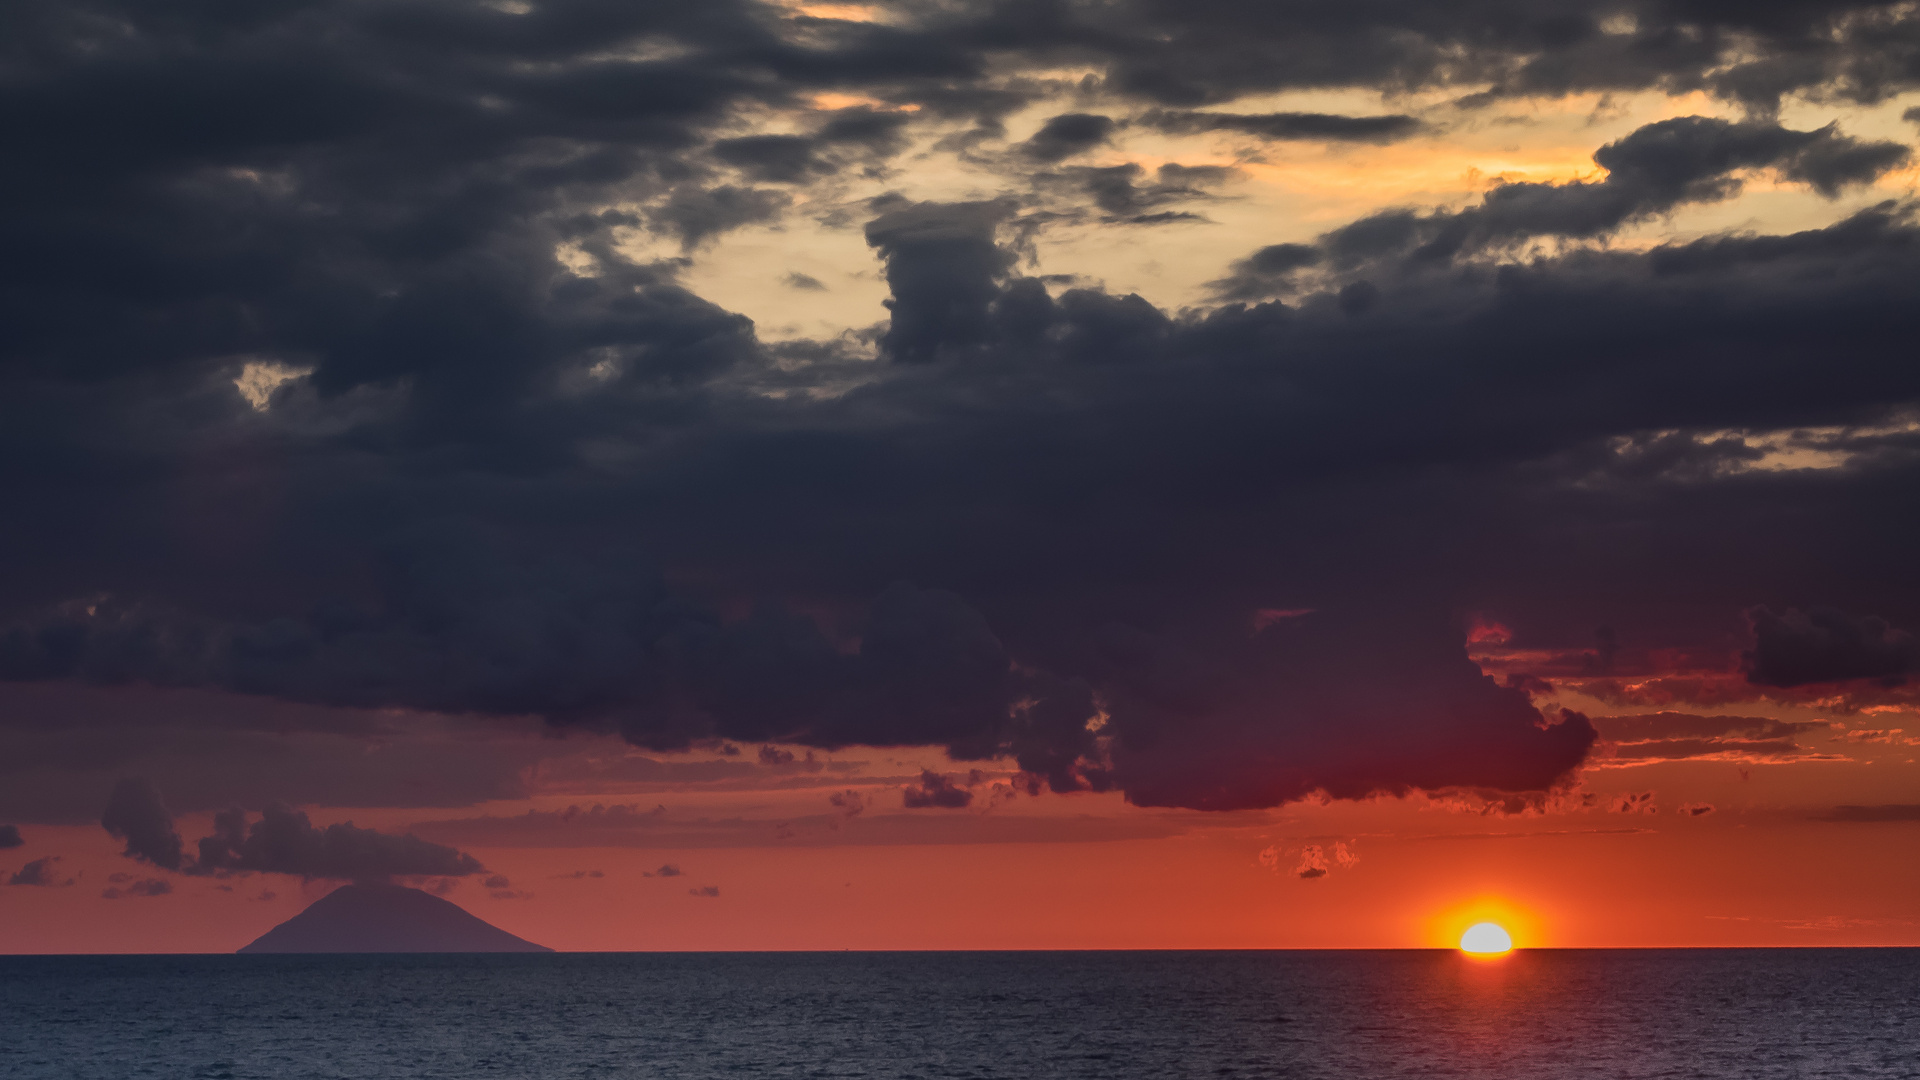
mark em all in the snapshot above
pixel 39 872
pixel 333 373
pixel 284 841
pixel 1068 134
pixel 1286 125
pixel 136 814
pixel 1824 645
pixel 935 789
pixel 705 891
pixel 10 837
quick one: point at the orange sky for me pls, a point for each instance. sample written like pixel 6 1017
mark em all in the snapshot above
pixel 1088 871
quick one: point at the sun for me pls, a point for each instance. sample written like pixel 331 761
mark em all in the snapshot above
pixel 1486 939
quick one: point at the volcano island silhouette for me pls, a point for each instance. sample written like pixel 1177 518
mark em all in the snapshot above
pixel 386 918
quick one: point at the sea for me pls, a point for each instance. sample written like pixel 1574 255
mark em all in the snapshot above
pixel 1610 1014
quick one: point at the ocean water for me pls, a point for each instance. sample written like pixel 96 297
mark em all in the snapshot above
pixel 1348 1015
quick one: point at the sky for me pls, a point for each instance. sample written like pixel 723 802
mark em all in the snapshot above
pixel 961 475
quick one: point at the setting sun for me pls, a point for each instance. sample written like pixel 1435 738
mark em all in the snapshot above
pixel 1486 939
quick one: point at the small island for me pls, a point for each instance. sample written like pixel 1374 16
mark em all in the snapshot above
pixel 387 918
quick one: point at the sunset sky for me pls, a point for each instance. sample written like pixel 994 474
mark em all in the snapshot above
pixel 935 475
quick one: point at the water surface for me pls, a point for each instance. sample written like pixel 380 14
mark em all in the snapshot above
pixel 1619 1015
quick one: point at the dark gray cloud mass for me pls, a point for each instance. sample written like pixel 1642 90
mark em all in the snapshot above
pixel 283 841
pixel 10 837
pixel 1041 523
pixel 1793 648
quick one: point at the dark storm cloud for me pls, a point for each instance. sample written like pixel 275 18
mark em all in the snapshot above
pixel 1287 125
pixel 10 837
pixel 491 486
pixel 1795 647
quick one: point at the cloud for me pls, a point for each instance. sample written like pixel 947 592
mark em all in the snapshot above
pixel 1286 125
pixel 1670 163
pixel 10 837
pixel 935 789
pixel 1673 736
pixel 39 872
pixel 579 875
pixel 1068 134
pixel 944 269
pixel 284 841
pixel 666 870
pixel 141 887
pixel 1795 647
pixel 1037 528
pixel 708 891
pixel 136 814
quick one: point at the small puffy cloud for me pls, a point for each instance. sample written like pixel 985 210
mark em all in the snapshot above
pixel 39 872
pixel 1313 863
pixel 705 891
pixel 1694 809
pixel 1633 803
pixel 666 870
pixel 935 790
pixel 579 875
pixel 10 837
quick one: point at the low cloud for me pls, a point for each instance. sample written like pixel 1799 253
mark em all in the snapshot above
pixel 39 872
pixel 935 790
pixel 136 814
pixel 1650 738
pixel 284 841
pixel 137 887
pixel 666 870
pixel 10 837
pixel 705 890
